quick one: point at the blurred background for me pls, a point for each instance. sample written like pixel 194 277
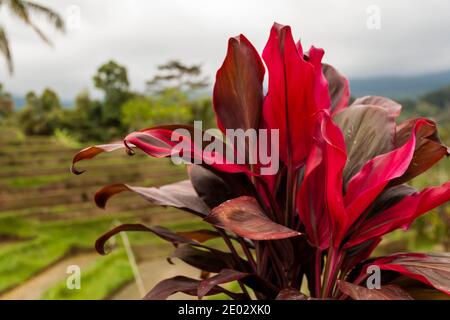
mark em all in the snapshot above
pixel 77 73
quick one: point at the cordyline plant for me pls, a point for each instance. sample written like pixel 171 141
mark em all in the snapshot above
pixel 341 186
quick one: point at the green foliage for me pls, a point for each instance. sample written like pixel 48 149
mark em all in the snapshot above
pixel 42 114
pixel 171 106
pixel 6 104
pixel 112 79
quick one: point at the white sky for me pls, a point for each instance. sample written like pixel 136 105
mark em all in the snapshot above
pixel 414 37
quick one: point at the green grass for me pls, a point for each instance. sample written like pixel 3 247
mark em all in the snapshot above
pixel 53 240
pixel 105 275
pixel 35 181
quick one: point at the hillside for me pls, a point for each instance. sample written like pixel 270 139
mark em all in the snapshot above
pixel 399 87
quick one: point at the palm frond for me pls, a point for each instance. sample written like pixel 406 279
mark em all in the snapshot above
pixel 5 50
pixel 53 17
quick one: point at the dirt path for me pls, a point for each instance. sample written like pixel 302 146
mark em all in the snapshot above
pixel 154 271
pixel 36 286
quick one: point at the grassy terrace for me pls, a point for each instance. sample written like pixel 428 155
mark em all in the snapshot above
pixel 47 214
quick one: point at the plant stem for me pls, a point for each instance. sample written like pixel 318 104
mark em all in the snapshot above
pixel 331 270
pixel 248 254
pixel 318 271
pixel 236 257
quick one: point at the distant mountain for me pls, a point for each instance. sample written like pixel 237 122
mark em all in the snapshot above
pixel 399 87
pixel 396 87
pixel 19 102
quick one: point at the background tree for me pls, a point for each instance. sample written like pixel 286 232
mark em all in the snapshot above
pixel 42 114
pixel 23 10
pixel 84 120
pixel 6 103
pixel 112 79
pixel 176 75
pixel 186 83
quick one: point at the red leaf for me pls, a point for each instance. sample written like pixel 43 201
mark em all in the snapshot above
pixel 187 142
pixel 368 183
pixel 402 214
pixel 431 269
pixel 428 151
pixel 238 90
pixel 245 217
pixel 322 212
pixel 290 101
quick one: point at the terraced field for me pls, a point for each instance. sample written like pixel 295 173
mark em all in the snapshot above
pixel 48 221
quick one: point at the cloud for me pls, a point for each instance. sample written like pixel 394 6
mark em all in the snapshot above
pixel 414 37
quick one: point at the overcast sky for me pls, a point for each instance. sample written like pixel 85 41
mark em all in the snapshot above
pixel 414 37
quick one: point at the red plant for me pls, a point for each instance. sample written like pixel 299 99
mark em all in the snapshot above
pixel 340 185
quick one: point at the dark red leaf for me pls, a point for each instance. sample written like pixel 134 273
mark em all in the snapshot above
pixel 202 235
pixel 215 187
pixel 291 294
pixel 238 90
pixel 91 152
pixel 401 214
pixel 431 268
pixel 389 105
pixel 429 148
pixel 161 232
pixel 168 287
pixel 179 195
pixel 224 276
pixel 206 259
pixel 244 217
pixel 338 88
pixel 388 292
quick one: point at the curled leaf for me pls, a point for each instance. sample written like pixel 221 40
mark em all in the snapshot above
pixel 91 152
pixel 179 195
pixel 161 232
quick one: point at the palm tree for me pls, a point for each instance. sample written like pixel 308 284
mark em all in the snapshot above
pixel 22 9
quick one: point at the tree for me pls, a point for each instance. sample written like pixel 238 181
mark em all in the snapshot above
pixel 6 103
pixel 23 10
pixel 112 79
pixel 176 75
pixel 42 114
pixel 181 84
